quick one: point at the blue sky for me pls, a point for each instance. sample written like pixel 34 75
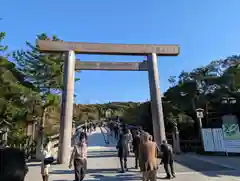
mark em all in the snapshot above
pixel 206 30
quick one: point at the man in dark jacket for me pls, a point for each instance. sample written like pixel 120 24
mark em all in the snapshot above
pixel 122 147
pixel 116 128
pixel 136 143
pixel 167 159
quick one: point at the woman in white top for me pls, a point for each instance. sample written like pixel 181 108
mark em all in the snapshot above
pixel 130 139
pixel 46 153
pixel 79 158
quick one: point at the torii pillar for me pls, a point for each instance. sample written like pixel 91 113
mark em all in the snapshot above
pixel 66 118
pixel 156 99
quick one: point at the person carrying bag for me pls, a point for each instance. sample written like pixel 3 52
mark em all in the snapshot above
pixel 79 158
pixel 47 159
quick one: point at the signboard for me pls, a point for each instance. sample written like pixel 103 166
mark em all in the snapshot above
pixel 119 66
pixel 107 48
pixel 230 127
pixel 225 139
pixel 218 140
pixel 208 140
pixel 232 146
pixel 231 133
pixel 213 140
pixel 200 114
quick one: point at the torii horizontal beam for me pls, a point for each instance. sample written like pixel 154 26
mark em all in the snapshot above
pixel 114 66
pixel 107 48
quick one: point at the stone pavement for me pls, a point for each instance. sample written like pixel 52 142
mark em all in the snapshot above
pixel 103 165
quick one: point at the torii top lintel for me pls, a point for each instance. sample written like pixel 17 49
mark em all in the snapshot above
pixel 107 48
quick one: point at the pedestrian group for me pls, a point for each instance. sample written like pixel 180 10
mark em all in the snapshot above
pixel 146 152
pixel 141 143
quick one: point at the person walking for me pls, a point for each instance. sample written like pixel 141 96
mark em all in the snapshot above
pixel 94 127
pixel 167 159
pixel 130 140
pixel 84 134
pixel 123 151
pixel 116 131
pixel 148 158
pixel 79 158
pixel 136 143
pixel 47 159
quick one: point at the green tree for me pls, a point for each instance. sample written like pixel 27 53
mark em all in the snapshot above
pixel 13 88
pixel 45 72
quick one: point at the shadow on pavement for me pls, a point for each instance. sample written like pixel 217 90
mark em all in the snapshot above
pixel 124 177
pixel 101 151
pixel 89 171
pixel 92 171
pixel 102 156
pixel 204 167
pixel 233 173
pixel 33 164
pixel 60 172
pixel 109 154
pixel 104 170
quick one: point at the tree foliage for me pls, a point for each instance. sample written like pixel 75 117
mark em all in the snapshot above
pixel 30 84
pixel 203 87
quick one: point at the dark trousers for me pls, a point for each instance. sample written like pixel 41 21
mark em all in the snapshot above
pixel 123 163
pixel 136 159
pixel 80 168
pixel 116 134
pixel 45 177
pixel 136 162
pixel 168 164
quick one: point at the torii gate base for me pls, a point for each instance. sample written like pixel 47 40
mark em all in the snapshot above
pixel 151 65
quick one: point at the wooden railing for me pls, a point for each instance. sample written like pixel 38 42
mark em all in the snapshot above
pixel 55 138
pixel 190 145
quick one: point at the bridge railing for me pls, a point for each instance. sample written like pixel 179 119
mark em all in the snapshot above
pixel 55 138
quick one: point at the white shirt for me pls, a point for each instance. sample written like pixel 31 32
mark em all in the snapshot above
pixel 46 153
pixel 80 151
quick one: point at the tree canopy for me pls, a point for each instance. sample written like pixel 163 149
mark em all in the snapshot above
pixel 204 87
pixel 31 83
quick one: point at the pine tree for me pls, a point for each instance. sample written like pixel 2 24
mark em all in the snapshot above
pixel 12 88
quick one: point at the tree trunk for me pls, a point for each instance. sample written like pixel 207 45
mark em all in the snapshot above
pixel 40 140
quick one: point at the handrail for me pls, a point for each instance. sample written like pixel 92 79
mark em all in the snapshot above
pixel 55 138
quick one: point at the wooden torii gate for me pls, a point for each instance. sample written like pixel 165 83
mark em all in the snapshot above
pixel 70 65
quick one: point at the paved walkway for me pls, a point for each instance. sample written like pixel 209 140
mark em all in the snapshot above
pixel 103 165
